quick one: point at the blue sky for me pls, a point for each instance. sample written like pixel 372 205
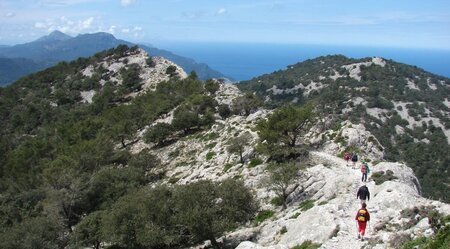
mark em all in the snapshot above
pixel 391 23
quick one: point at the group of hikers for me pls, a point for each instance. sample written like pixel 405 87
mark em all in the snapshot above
pixel 363 194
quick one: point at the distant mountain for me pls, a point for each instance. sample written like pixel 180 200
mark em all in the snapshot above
pixel 405 107
pixel 57 46
pixel 54 36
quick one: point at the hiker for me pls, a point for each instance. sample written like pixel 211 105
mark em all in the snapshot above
pixel 364 170
pixel 346 157
pixel 354 158
pixel 363 194
pixel 362 217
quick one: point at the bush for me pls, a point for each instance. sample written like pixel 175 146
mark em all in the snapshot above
pixel 224 111
pixel 277 201
pixel 379 177
pixel 150 62
pixel 305 205
pixel 255 162
pixel 171 70
pixel 227 167
pixel 307 245
pixel 264 215
pixel 210 155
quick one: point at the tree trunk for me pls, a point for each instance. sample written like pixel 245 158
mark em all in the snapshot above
pixel 122 140
pixel 241 158
pixel 214 243
pixel 284 200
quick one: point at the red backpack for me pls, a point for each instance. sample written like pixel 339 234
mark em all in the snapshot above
pixel 363 168
pixel 362 215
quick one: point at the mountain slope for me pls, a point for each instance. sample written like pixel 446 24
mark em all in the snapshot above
pixel 14 68
pixel 406 108
pixel 57 46
pixel 119 148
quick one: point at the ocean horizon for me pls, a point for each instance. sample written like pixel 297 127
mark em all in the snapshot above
pixel 244 61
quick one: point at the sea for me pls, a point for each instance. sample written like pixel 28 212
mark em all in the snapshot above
pixel 244 61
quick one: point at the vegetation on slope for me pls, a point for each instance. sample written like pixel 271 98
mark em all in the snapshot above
pixel 389 89
pixel 68 179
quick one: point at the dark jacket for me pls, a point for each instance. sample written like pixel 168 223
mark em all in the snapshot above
pixel 363 193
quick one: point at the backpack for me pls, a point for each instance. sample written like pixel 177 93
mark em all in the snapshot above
pixel 363 169
pixel 354 158
pixel 367 168
pixel 362 215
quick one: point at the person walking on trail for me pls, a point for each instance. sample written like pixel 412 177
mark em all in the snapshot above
pixel 363 194
pixel 362 217
pixel 364 170
pixel 354 159
pixel 346 158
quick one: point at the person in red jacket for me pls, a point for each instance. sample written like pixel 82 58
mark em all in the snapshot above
pixel 346 158
pixel 362 217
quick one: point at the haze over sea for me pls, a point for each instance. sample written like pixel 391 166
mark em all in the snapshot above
pixel 243 61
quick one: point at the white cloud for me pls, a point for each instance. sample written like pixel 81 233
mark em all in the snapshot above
pixel 126 3
pixel 125 30
pixel 112 29
pixel 87 23
pixel 137 28
pixel 221 11
pixel 40 25
pixel 67 25
pixel 10 14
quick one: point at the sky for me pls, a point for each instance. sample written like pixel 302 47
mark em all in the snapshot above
pixel 389 23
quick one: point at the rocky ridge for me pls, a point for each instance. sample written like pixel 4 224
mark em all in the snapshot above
pixel 150 75
pixel 328 182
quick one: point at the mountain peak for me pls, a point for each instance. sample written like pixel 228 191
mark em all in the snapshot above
pixel 99 34
pixel 55 36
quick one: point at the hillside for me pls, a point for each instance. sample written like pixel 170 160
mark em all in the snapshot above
pixel 12 69
pixel 123 150
pixel 57 46
pixel 406 108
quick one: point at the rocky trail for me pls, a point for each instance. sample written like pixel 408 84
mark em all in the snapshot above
pixel 331 221
pixel 346 236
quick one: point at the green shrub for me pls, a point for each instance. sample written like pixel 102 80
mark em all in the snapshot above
pixel 419 243
pixel 305 205
pixel 174 180
pixel 295 216
pixel 211 136
pixel 227 167
pixel 211 145
pixel 210 155
pixel 307 245
pixel 322 203
pixel 255 162
pixel 264 215
pixel 277 201
pixel 379 177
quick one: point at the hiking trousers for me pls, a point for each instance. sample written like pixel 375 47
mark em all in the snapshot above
pixel 362 227
pixel 364 177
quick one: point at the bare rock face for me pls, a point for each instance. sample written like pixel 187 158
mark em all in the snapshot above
pixel 226 93
pixel 353 135
pixel 151 74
